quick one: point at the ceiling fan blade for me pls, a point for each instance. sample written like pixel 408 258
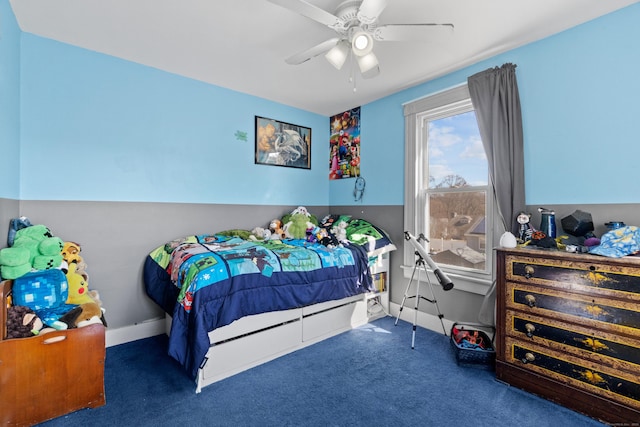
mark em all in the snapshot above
pixel 310 11
pixel 312 52
pixel 370 10
pixel 409 32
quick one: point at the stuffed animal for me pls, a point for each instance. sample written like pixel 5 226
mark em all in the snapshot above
pixel 45 292
pixel 14 225
pixel 313 234
pixel 326 238
pixel 236 232
pixel 260 233
pixel 296 224
pixel 340 231
pixel 78 287
pixel 22 322
pixel 83 315
pixel 71 253
pixel 14 262
pixel 45 252
pixel 276 229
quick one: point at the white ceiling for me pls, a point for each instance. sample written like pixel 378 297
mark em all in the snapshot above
pixel 242 44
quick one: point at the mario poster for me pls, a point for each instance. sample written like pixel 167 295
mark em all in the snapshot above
pixel 344 160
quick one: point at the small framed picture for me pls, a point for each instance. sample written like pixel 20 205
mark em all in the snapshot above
pixel 282 144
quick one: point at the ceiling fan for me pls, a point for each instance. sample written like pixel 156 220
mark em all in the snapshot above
pixel 356 22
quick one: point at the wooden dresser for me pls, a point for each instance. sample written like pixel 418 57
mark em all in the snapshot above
pixel 568 329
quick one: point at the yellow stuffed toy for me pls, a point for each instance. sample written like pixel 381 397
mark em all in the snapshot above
pixel 78 287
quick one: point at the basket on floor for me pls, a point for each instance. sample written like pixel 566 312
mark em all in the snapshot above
pixel 475 348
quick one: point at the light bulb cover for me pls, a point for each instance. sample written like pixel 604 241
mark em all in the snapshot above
pixel 338 54
pixel 367 62
pixel 361 43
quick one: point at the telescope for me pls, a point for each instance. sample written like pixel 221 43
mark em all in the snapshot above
pixel 443 279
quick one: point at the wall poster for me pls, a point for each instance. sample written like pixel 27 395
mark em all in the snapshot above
pixel 344 143
pixel 282 144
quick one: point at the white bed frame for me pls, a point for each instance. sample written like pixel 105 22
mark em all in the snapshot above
pixel 254 340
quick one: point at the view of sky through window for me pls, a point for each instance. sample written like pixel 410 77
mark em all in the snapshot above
pixel 455 149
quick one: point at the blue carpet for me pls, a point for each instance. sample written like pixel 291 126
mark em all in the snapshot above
pixel 369 376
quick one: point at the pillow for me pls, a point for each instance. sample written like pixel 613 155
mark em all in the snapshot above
pixel 374 239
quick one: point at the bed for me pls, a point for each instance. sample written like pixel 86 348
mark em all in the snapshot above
pixel 233 302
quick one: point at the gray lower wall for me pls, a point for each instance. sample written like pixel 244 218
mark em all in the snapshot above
pixel 8 209
pixel 117 236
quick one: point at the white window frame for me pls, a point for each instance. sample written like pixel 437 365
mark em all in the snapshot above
pixel 440 104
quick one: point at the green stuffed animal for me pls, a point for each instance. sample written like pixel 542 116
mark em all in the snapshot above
pixel 296 223
pixel 14 262
pixel 44 252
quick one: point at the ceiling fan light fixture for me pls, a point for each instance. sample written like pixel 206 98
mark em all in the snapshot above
pixel 338 54
pixel 361 43
pixel 367 62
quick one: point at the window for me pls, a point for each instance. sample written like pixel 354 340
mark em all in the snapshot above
pixel 447 192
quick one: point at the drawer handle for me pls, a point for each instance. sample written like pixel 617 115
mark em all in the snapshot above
pixel 530 329
pixel 531 300
pixel 528 358
pixel 529 271
pixel 55 339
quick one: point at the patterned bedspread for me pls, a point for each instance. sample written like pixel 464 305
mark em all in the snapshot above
pixel 208 281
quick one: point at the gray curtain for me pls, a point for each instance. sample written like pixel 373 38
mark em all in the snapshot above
pixel 495 98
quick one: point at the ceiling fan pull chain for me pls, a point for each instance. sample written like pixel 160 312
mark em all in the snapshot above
pixel 352 74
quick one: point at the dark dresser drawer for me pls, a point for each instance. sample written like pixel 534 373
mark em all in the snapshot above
pixel 576 372
pixel 597 311
pixel 608 349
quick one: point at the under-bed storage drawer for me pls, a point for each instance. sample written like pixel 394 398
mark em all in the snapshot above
pixel 230 357
pixel 326 321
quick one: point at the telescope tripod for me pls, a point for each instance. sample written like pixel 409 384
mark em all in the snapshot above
pixel 419 267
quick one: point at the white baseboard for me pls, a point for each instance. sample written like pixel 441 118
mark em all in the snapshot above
pixel 424 320
pixel 135 332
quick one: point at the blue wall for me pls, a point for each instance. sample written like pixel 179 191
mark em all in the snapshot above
pixel 579 92
pixel 102 129
pixel 94 127
pixel 9 103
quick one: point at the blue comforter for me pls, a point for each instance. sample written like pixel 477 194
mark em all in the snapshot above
pixel 208 281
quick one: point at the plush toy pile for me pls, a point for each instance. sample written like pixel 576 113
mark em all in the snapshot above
pixel 50 283
pixel 331 231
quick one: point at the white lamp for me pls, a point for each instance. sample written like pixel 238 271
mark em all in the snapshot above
pixel 367 63
pixel 361 43
pixel 338 54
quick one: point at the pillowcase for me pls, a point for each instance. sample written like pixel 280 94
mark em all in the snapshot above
pixel 375 240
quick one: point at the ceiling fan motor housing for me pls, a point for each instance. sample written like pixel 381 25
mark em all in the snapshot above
pixel 347 13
